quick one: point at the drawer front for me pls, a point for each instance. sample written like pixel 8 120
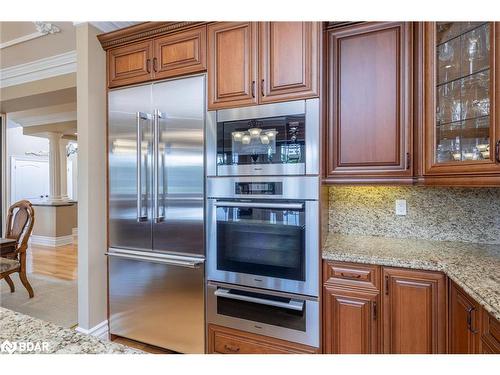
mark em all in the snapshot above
pixel 351 274
pixel 491 332
pixel 222 340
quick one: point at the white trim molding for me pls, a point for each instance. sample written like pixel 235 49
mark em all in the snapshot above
pixel 51 241
pixel 39 69
pixel 106 27
pixel 42 29
pixel 101 330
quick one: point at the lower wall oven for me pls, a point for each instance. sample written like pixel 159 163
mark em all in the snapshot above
pixel 281 315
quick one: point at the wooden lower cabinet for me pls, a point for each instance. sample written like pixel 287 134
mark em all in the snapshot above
pixel 490 334
pixel 464 322
pixel 414 309
pixel 351 321
pixel 223 340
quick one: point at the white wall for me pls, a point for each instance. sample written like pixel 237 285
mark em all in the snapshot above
pixel 18 143
pixel 91 121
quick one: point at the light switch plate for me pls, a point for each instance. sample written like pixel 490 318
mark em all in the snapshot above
pixel 401 207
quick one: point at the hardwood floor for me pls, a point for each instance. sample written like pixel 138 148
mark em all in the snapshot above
pixel 141 346
pixel 60 262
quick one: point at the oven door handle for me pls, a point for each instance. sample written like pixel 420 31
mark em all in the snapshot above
pixel 296 305
pixel 292 206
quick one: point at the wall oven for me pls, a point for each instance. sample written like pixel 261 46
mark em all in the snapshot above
pixel 263 232
pixel 280 315
pixel 270 139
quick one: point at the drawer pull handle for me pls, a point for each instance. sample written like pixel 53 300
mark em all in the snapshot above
pixel 469 319
pixel 232 349
pixel 351 275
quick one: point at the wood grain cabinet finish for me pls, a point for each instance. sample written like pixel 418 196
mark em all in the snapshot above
pixel 181 53
pixel 369 106
pixel 232 64
pixel 288 60
pixel 347 275
pixel 485 172
pixel 130 64
pixel 351 321
pixel 414 309
pixel 490 334
pixel 223 340
pixel 464 322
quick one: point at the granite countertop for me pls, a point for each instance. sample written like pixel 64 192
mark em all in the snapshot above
pixel 474 267
pixel 17 329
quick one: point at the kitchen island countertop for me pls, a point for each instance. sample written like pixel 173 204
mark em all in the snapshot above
pixel 17 329
pixel 474 267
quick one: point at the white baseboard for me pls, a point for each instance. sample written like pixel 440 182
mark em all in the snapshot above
pixel 101 330
pixel 51 241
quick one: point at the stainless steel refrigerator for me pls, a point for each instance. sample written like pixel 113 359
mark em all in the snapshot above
pixel 156 213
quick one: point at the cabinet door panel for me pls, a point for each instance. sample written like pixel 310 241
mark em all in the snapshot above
pixel 130 64
pixel 461 101
pixel 369 116
pixel 463 322
pixel 350 321
pixel 181 53
pixel 414 312
pixel 289 60
pixel 232 64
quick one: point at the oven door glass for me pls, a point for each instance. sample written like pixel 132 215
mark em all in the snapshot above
pixel 273 140
pixel 262 241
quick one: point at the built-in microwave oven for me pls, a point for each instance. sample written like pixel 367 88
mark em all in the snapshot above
pixel 270 139
pixel 263 232
pixel 284 316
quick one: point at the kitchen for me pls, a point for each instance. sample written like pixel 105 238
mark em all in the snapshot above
pixel 262 186
pixel 260 201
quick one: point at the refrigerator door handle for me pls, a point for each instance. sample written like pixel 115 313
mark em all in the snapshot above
pixel 172 261
pixel 157 217
pixel 140 116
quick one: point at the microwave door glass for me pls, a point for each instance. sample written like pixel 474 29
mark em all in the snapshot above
pixel 273 140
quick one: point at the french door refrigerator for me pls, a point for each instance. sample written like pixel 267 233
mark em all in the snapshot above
pixel 156 213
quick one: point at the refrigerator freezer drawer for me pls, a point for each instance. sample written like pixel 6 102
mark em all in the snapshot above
pixel 157 300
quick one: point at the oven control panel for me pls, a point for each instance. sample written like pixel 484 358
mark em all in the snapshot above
pixel 258 188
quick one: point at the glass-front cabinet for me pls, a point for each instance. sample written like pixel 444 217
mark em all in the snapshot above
pixel 461 126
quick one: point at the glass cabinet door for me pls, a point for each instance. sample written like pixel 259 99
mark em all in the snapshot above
pixel 462 77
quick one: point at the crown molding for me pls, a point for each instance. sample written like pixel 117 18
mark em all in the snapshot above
pixel 42 29
pixel 143 31
pixel 39 69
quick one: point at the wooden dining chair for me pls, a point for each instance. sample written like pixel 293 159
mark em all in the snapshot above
pixel 20 221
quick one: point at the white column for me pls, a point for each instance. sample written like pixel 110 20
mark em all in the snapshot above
pixel 54 167
pixel 91 123
pixel 63 143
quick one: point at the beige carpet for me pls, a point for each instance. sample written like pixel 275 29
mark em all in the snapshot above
pixel 55 300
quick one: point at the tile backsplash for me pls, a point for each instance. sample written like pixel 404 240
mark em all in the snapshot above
pixel 446 214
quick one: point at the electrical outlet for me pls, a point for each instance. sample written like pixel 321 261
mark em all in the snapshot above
pixel 401 207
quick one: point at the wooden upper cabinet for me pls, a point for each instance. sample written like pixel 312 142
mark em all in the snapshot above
pixel 180 53
pixel 461 126
pixel 464 322
pixel 351 321
pixel 130 64
pixel 232 64
pixel 414 312
pixel 369 78
pixel 288 60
